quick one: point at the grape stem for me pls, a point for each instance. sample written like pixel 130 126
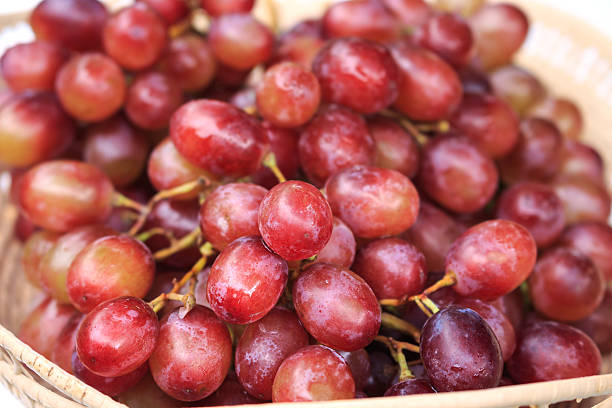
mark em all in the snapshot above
pixel 441 126
pixel 421 306
pixel 148 234
pixel 396 349
pixel 119 200
pixel 270 162
pixel 407 124
pixel 394 322
pixel 187 241
pixel 251 110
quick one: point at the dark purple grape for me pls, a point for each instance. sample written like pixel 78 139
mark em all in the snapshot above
pixel 410 387
pixel 598 324
pixel 359 363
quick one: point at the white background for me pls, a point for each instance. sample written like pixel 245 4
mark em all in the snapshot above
pixel 595 12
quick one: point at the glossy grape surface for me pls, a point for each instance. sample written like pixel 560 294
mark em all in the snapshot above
pixel 582 200
pixel 594 239
pixel 448 35
pixel 361 18
pixel 216 8
pixel 189 61
pixel 151 100
pixel 562 112
pixel 341 247
pixel 517 86
pixel 21 74
pixel 395 148
pixel 65 346
pixel 110 386
pixel 172 11
pixel 410 387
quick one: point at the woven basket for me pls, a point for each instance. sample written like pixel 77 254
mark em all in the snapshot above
pixel 570 57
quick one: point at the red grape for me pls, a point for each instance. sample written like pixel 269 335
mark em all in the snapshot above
pixel 410 387
pixel 314 373
pixel 230 212
pixel 246 281
pixel 392 267
pixel 357 73
pixel 563 113
pixel 35 248
pixel 396 149
pixel 216 8
pixel 537 154
pixel 151 100
pixel 373 202
pixel 91 87
pixel 517 86
pixel 117 149
pixel 300 44
pixel 512 305
pixel 146 394
pixel 335 139
pixel 499 31
pixel 42 326
pixel 549 351
pixel 460 352
pixel 33 128
pixel 598 325
pixel 536 207
pixel 594 239
pixel 55 264
pixel 110 386
pixel 231 392
pixel 341 247
pixel 295 220
pixel 491 259
pixel 189 62
pixel 474 81
pixel 433 233
pixel 218 137
pixel 429 88
pixel 489 122
pixel 457 174
pixel 75 24
pixel 367 19
pixel 263 347
pixel 412 13
pixel 62 194
pixel 240 41
pixel 23 228
pixel 448 35
pixel 117 336
pixel 65 346
pixel 172 11
pixel 288 95
pixel 228 78
pixel 581 160
pixel 565 285
pixel 359 363
pixel 193 354
pixel 337 307
pixel 135 37
pixel 582 200
pixel 284 145
pixel 32 66
pixel 108 268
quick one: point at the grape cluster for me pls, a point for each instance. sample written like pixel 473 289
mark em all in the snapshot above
pixel 375 202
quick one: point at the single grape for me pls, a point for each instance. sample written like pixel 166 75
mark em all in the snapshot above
pixel 489 122
pixel 65 346
pixel 383 374
pixel 474 80
pixel 433 233
pixel 341 247
pixel 35 248
pixel 107 268
pixel 314 373
pixel 117 149
pixel 562 112
pixel 91 87
pixel 594 239
pixel 193 354
pixel 336 138
pixel 365 19
pixel 189 61
pixel 464 7
pixel 61 195
pixel 117 336
pixel 598 325
pixel 410 387
pixel 20 73
pixel 264 345
pixel 581 160
pixel 359 363
pixel 457 174
pixel 217 8
pixel 288 95
pixel 218 137
pixel 565 285
pixel 412 13
pixel 429 88
pixel 393 268
pixel 536 207
pixel 231 392
pixel 172 11
pixel 373 202
pixel 582 200
pixel 499 31
pixel 245 281
pixel 135 37
pixel 460 351
pixel 284 145
pixel 300 44
pixel 491 259
pixel 295 220
pixel 517 86
pixel 336 306
pixel 42 326
pixel 512 306
pixel 448 35
pixel 549 351
pixel 231 212
pixel 33 128
pixel 357 73
pixel 151 100
pixel 396 149
pixel 536 155
pixel 75 24
pixel 110 386
pixel 240 41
